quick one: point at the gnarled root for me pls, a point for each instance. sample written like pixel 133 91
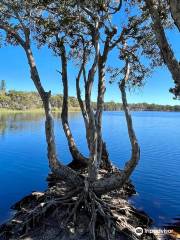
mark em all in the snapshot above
pixel 76 214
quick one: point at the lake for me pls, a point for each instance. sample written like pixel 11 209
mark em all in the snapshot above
pixel 24 164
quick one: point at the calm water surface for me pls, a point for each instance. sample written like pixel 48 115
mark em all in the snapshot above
pixel 24 165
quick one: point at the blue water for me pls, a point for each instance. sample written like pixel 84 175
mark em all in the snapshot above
pixel 24 165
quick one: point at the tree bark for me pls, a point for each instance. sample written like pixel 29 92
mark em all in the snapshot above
pixel 78 158
pixel 105 163
pixel 166 50
pixel 175 12
pixel 100 105
pixel 103 186
pixel 93 164
pixel 56 167
pixel 81 103
pixel 102 157
pixel 92 131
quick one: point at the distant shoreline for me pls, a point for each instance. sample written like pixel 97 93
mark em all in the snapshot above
pixel 41 110
pixel 36 110
pixel 19 101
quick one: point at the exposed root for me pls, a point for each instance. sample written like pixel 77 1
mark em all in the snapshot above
pixel 77 213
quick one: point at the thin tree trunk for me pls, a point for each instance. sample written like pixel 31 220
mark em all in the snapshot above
pixel 117 181
pixel 81 103
pixel 93 164
pixel 100 105
pixel 56 167
pixel 105 163
pixel 175 12
pixel 103 156
pixel 166 50
pixel 78 158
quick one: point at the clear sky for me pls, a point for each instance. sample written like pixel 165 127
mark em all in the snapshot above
pixel 14 69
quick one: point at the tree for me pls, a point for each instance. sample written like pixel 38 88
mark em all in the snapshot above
pixel 87 27
pixel 3 86
pixel 159 13
pixel 175 12
pixel 59 40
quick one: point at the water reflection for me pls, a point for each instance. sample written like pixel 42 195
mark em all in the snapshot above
pixel 16 122
pixel 3 125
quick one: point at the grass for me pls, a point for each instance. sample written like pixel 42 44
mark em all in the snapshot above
pixel 36 110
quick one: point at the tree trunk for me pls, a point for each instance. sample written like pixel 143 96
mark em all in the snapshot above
pixel 93 164
pixel 166 51
pixel 103 186
pixel 56 167
pixel 78 158
pixel 103 156
pixel 105 162
pixel 100 105
pixel 81 103
pixel 175 12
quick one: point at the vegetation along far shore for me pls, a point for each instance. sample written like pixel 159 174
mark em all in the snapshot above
pixel 22 101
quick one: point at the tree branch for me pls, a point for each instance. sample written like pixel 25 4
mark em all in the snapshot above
pixel 166 50
pixel 12 32
pixel 117 181
pixel 175 12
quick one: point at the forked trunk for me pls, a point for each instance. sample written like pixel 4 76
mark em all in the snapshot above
pixel 117 181
pixel 105 161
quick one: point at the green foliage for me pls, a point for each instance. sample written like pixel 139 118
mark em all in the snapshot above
pixel 4 98
pixel 19 100
pixel 56 101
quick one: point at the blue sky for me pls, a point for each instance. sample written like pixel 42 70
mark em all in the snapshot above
pixel 14 69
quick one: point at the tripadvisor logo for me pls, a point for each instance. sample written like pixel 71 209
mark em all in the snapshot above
pixel 139 231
